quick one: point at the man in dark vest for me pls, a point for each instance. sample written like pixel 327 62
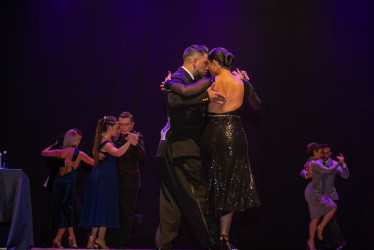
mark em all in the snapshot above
pixel 128 175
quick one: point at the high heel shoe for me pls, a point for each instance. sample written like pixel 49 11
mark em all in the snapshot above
pixel 101 245
pixel 91 244
pixel 233 247
pixel 56 243
pixel 308 247
pixel 224 242
pixel 72 242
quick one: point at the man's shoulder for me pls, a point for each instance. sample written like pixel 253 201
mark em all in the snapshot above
pixel 333 161
pixel 314 163
pixel 180 76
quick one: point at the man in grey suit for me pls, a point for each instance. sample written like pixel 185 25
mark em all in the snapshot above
pixel 333 237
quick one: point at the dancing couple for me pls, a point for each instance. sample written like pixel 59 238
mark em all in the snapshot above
pixel 222 141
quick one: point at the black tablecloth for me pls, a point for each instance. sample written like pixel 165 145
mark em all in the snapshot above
pixel 15 207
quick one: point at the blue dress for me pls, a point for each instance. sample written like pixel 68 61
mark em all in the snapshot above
pixel 101 207
pixel 64 193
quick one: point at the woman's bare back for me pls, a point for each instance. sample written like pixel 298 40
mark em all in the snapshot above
pixel 67 155
pixel 232 88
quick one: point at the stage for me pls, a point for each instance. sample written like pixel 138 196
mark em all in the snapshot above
pixel 66 64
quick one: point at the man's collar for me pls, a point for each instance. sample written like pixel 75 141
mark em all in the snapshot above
pixel 191 75
pixel 326 161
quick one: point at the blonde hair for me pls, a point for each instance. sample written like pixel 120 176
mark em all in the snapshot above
pixel 71 139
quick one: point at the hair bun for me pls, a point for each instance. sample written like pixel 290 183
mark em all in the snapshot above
pixel 222 56
pixel 229 59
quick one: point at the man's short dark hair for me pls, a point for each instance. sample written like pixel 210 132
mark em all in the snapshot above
pixel 127 115
pixel 79 132
pixel 325 145
pixel 193 49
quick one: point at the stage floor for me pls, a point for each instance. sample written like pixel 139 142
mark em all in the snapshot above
pixel 36 248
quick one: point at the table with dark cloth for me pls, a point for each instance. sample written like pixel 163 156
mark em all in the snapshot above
pixel 15 207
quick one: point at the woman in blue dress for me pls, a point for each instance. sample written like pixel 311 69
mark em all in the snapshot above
pixel 101 207
pixel 64 185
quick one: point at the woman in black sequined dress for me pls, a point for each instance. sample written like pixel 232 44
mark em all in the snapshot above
pixel 231 184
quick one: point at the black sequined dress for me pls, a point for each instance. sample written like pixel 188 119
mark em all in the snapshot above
pixel 231 185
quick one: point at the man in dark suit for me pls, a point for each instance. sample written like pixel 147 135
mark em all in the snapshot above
pixel 128 175
pixel 183 189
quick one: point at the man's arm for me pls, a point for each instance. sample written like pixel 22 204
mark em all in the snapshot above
pixel 253 99
pixel 188 90
pixel 342 169
pixel 343 172
pixel 140 148
pixel 176 101
pixel 179 102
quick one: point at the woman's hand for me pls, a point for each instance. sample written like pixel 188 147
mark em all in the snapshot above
pixel 100 156
pixel 133 138
pixel 70 163
pixel 308 170
pixel 240 74
pixel 340 158
pixel 214 96
pixel 167 78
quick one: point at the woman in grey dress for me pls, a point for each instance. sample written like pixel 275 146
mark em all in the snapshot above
pixel 319 205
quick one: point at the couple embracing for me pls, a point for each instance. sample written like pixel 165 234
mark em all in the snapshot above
pixel 221 141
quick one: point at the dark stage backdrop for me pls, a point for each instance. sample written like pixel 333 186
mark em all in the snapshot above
pixel 67 63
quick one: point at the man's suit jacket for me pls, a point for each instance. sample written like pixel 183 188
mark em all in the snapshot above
pixel 328 179
pixel 186 120
pixel 128 163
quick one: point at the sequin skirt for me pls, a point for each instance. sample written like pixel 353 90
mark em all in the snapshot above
pixel 231 185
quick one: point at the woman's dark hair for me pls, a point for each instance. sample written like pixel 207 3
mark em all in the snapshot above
pixel 311 147
pixel 222 56
pixel 102 126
